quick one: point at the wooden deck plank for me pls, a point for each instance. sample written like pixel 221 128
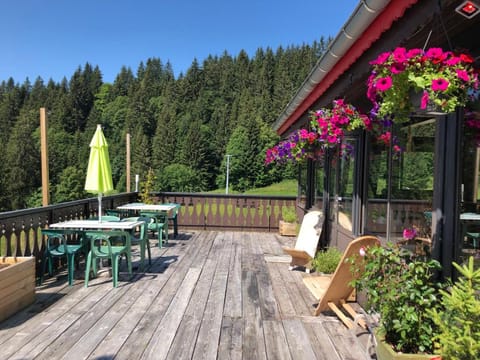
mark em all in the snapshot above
pixel 233 299
pixel 114 340
pixel 253 340
pixel 275 340
pixel 231 339
pixel 159 345
pixel 53 325
pixel 206 295
pixel 206 346
pixel 183 346
pixel 298 340
pixel 147 328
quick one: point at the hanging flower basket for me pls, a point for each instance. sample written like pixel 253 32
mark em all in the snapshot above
pixel 327 130
pixel 445 80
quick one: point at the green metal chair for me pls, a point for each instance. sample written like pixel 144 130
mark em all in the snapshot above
pixel 107 218
pixel 173 218
pixel 142 240
pixel 158 224
pixel 111 244
pixel 61 244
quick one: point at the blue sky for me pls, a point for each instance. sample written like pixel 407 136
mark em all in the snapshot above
pixel 52 38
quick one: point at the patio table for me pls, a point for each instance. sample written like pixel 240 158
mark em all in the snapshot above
pixel 148 207
pixel 158 208
pixel 471 220
pixel 96 225
pixel 82 225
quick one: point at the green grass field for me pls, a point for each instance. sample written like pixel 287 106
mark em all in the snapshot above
pixel 286 187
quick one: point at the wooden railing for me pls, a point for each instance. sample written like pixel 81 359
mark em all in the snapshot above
pixel 21 229
pixel 232 212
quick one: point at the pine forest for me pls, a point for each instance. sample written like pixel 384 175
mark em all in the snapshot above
pixel 181 128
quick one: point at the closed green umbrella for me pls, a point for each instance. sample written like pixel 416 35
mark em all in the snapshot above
pixel 99 172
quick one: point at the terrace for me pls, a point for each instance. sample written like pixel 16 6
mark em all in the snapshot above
pixel 172 309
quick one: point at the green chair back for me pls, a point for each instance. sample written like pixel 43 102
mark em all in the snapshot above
pixel 61 243
pixel 111 244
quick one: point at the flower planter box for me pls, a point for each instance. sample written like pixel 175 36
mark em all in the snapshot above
pixel 17 284
pixel 287 229
pixel 385 352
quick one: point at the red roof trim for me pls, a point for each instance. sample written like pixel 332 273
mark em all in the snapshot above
pixel 393 11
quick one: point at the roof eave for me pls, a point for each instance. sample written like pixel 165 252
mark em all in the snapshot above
pixel 368 21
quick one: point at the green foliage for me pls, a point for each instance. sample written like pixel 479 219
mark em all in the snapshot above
pixel 71 185
pixel 289 214
pixel 459 320
pixel 178 177
pixel 400 287
pixel 187 121
pixel 147 187
pixel 326 261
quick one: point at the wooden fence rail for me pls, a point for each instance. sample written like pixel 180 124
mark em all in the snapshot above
pixel 20 230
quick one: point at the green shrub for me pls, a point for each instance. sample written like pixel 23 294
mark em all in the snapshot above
pixel 400 287
pixel 326 261
pixel 459 320
pixel 289 214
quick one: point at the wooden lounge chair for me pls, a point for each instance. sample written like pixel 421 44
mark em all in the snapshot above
pixel 307 241
pixel 334 291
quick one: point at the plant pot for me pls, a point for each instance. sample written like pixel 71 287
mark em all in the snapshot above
pixel 17 284
pixel 385 352
pixel 416 101
pixel 287 229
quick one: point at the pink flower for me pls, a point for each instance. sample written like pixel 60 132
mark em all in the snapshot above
pixel 385 137
pixel 463 75
pixel 397 68
pixel 453 61
pixel 424 101
pixel 380 59
pixel 440 84
pixel 413 53
pixel 383 84
pixel 400 54
pixel 362 251
pixel 397 149
pixel 409 233
pixel 434 53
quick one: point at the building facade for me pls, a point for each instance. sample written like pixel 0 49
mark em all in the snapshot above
pixel 432 184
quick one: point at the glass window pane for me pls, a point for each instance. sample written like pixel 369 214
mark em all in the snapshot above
pixel 377 181
pixel 470 189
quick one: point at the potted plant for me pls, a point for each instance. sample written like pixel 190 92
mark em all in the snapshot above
pixel 288 224
pixel 399 287
pixel 326 261
pixel 444 80
pixel 459 320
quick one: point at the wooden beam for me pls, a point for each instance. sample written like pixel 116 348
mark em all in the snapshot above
pixel 44 157
pixel 128 162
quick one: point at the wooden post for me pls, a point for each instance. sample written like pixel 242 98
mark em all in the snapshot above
pixel 128 162
pixel 44 157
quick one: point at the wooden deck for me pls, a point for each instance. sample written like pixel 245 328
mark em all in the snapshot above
pixel 207 295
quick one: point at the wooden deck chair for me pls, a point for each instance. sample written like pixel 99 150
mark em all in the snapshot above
pixel 334 291
pixel 307 241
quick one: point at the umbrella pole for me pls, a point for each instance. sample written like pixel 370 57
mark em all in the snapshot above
pixel 99 207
